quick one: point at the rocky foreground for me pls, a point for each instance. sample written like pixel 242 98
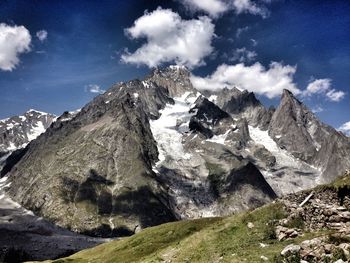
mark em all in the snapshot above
pixel 324 209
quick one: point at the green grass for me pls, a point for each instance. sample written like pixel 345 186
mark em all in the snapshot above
pixel 205 240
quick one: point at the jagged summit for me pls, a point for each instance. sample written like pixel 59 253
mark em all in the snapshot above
pixel 296 128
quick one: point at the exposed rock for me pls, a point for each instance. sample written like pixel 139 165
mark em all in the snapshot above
pixel 290 250
pixel 250 225
pixel 242 104
pixel 295 128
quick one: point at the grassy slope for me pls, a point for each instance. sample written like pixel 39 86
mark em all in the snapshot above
pixel 204 240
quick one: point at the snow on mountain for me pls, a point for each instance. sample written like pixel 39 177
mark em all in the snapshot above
pixel 169 128
pixel 289 174
pixel 17 131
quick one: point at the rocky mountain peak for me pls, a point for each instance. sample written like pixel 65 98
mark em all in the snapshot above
pixel 17 131
pixel 295 128
pixel 176 79
pixel 242 104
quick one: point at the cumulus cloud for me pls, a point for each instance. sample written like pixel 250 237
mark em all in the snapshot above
pixel 14 40
pixel 323 87
pixel 345 128
pixel 256 78
pixel 243 55
pixel 169 38
pixel 217 7
pixel 213 7
pixel 93 88
pixel 42 35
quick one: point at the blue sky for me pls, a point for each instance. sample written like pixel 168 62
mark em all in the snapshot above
pixel 86 40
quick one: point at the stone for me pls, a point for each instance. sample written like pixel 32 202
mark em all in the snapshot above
pixel 264 258
pixel 250 225
pixel 328 248
pixel 290 250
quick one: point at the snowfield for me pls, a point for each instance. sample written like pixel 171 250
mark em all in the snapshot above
pixel 285 177
pixel 171 125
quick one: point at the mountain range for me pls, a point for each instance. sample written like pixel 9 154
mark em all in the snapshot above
pixel 157 150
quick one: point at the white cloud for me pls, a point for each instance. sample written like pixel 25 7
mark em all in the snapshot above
pixel 14 40
pixel 213 7
pixel 335 95
pixel 317 109
pixel 170 39
pixel 42 35
pixel 243 55
pixel 323 87
pixel 248 6
pixel 269 82
pixel 217 7
pixel 93 88
pixel 345 128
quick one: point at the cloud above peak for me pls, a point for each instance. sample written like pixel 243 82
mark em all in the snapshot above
pixel 93 88
pixel 14 40
pixel 169 38
pixel 215 8
pixel 269 82
pixel 323 87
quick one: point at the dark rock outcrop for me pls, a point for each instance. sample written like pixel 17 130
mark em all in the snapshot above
pixel 243 104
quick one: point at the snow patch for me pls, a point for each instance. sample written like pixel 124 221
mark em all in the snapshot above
pixel 219 138
pixel 283 158
pixel 168 129
pixel 36 131
pixel 145 84
pixel 213 98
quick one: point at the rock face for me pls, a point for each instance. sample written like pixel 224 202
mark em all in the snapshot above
pixel 93 173
pixel 16 132
pixel 24 236
pixel 112 168
pixel 296 129
pixel 156 150
pixel 243 104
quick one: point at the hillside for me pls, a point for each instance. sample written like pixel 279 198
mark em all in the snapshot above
pixel 299 232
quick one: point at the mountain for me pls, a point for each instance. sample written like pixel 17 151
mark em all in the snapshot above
pixel 128 160
pixel 309 226
pixel 295 128
pixel 156 150
pixel 16 132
